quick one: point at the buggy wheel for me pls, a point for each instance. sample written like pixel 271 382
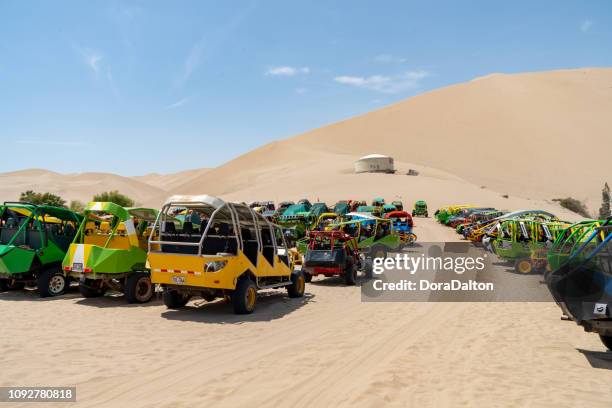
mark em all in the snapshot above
pixel 607 341
pixel 173 299
pixel 91 288
pixel 350 274
pixel 138 288
pixel 51 282
pixel 298 285
pixel 379 251
pixel 4 285
pixel 307 277
pixel 523 265
pixel 244 297
pixel 368 268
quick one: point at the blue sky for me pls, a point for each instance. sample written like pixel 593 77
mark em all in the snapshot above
pixel 135 87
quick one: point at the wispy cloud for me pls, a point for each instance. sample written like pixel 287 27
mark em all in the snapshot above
pixel 287 71
pixel 178 103
pixel 48 142
pixel 586 25
pixel 193 60
pixel 91 58
pixel 205 47
pixel 301 91
pixel 389 59
pixel 385 84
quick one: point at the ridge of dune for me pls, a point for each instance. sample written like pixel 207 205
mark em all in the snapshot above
pixel 75 186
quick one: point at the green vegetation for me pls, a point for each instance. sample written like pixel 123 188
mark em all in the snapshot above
pixel 42 199
pixel 114 197
pixel 574 205
pixel 604 211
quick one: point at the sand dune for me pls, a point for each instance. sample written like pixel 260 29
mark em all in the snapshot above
pixel 534 135
pixel 79 186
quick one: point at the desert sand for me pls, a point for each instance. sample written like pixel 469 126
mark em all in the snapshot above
pixel 327 349
pixel 521 135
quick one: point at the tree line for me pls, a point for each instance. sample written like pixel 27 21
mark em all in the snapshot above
pixel 47 198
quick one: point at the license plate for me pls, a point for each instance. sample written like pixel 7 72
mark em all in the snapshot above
pixel 297 267
pixel 178 280
pixel 77 267
pixel 600 309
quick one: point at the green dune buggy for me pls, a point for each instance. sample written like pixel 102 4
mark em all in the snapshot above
pixel 33 241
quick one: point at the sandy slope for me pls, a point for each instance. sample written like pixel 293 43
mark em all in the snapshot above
pixel 170 181
pixel 79 186
pixel 533 134
pixel 328 349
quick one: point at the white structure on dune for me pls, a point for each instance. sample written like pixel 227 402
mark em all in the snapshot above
pixel 375 163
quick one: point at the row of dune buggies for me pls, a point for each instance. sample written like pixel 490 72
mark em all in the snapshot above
pixel 194 246
pixel 575 258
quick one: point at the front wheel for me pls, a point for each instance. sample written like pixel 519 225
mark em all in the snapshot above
pixel 51 282
pixel 523 266
pixel 244 297
pixel 307 277
pixel 607 341
pixel 379 251
pixel 138 288
pixel 173 299
pixel 298 285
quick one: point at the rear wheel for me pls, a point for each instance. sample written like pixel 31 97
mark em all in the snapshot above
pixel 173 299
pixel 51 282
pixel 350 274
pixel 379 251
pixel 298 285
pixel 523 265
pixel 91 288
pixel 244 297
pixel 607 341
pixel 138 288
pixel 307 277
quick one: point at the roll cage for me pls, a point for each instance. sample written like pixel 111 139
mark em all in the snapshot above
pixel 236 226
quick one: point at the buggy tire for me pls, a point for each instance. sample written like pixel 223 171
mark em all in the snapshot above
pixel 350 273
pixel 173 299
pixel 607 341
pixel 88 292
pixel 244 297
pixel 378 251
pixel 138 288
pixel 4 285
pixel 368 268
pixel 51 282
pixel 307 277
pixel 298 285
pixel 523 266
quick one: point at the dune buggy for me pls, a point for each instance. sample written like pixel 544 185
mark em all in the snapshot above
pixel 420 209
pixel 332 253
pixel 581 284
pixel 33 241
pixel 237 253
pixel 403 224
pixel 109 251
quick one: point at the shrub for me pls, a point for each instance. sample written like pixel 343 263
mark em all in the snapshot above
pixel 574 205
pixel 604 211
pixel 114 197
pixel 42 198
